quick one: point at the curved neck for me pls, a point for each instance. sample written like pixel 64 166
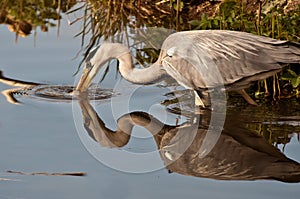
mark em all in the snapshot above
pixel 148 75
pixel 126 122
pixel 153 125
pixel 108 51
pixel 104 136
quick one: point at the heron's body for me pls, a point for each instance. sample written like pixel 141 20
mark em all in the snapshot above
pixel 203 59
pixel 237 55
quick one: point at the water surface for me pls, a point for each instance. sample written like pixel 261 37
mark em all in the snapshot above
pixel 39 135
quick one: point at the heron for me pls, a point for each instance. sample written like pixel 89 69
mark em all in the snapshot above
pixel 200 60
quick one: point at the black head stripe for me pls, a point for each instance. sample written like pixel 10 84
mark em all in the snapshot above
pixel 92 53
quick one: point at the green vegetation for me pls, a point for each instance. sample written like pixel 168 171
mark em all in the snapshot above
pixel 232 15
pixel 21 16
pixel 293 77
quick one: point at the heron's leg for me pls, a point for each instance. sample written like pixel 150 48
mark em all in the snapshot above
pixel 245 95
pixel 198 100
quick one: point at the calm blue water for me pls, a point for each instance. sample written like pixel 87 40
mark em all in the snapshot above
pixel 41 136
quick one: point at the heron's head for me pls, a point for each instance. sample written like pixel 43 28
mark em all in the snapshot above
pixel 96 59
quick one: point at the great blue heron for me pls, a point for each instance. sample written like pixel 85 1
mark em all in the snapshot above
pixel 200 60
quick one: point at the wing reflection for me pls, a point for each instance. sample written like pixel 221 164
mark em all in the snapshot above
pixel 239 154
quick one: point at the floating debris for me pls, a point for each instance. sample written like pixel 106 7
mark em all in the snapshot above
pixel 49 174
pixel 8 179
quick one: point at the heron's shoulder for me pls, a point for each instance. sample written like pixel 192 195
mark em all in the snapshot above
pixel 204 33
pixel 195 39
pixel 200 37
pixel 218 35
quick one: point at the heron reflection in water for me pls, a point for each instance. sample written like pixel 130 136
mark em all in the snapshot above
pixel 239 154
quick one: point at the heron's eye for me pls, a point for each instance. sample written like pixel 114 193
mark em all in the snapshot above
pixel 88 65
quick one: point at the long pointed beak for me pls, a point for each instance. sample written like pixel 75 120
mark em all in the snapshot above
pixel 85 80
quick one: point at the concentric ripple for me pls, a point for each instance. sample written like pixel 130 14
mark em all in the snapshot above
pixel 59 92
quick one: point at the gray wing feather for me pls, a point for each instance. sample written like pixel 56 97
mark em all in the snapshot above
pixel 229 55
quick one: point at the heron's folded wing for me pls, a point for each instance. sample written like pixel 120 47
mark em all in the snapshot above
pixel 230 55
